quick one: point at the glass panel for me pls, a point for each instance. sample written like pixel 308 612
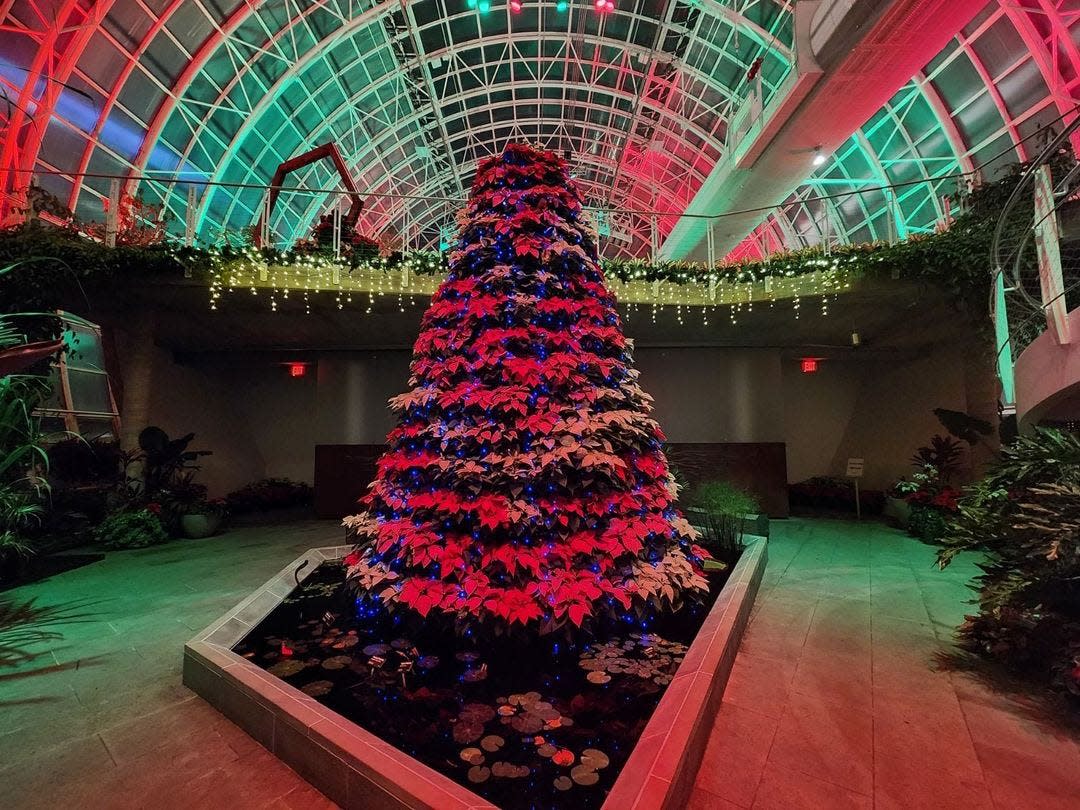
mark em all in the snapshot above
pixel 84 348
pixel 88 391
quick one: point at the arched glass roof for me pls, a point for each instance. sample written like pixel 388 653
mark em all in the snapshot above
pixel 166 92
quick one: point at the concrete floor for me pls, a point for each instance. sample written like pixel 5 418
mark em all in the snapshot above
pixel 834 700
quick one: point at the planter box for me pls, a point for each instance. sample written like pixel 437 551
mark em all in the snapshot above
pixel 357 769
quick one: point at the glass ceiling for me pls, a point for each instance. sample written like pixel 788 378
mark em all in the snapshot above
pixel 166 92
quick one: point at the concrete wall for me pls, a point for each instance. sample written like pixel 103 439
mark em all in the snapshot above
pixel 185 399
pixel 261 422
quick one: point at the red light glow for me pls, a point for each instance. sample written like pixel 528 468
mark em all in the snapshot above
pixel 809 365
pixel 297 369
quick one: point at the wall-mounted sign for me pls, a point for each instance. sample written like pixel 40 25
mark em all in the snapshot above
pixel 855 467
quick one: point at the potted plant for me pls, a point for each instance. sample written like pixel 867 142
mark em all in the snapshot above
pixel 202 518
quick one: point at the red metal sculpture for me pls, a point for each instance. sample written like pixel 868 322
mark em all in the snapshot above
pixel 331 151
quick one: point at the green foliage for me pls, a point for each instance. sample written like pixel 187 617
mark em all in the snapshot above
pixel 954 260
pixel 723 506
pixel 136 529
pixel 1025 514
pixel 942 454
pixel 926 522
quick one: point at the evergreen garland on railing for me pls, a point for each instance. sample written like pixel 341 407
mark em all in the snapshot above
pixel 955 260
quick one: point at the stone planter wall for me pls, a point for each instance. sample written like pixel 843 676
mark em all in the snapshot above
pixel 356 769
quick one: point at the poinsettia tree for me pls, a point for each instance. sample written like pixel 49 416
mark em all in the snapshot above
pixel 525 483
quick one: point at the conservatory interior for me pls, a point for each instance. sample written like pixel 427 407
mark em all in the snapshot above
pixel 557 404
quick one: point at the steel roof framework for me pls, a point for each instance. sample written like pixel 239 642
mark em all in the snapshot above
pixel 416 93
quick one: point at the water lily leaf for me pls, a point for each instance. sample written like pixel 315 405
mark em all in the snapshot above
pixel 594 759
pixel 474 756
pixel 479 773
pixel 286 668
pixel 584 775
pixel 492 742
pixel 317 688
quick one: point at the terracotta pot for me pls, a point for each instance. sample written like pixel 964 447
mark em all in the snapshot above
pixel 196 526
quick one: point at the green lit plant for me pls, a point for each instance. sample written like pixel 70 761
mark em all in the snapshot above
pixel 23 464
pixel 723 507
pixel 1025 515
pixel 135 529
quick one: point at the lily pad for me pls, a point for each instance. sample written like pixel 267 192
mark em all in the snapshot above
pixel 563 783
pixel 337 662
pixel 584 775
pixel 479 773
pixel 474 756
pixel 466 731
pixel 598 677
pixel 317 688
pixel 427 661
pixel 526 723
pixel 594 759
pixel 376 649
pixel 492 742
pixel 286 668
pixel 477 713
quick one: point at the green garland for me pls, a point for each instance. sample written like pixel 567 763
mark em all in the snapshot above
pixel 64 263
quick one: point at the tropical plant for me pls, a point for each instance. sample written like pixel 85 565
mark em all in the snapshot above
pixel 723 509
pixel 135 529
pixel 1025 515
pixel 942 454
pixel 963 426
pixel 167 463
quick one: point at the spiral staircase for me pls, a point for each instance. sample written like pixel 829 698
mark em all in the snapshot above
pixel 1036 290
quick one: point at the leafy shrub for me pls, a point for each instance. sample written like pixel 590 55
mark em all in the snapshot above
pixel 927 523
pixel 270 493
pixel 1025 514
pixel 723 506
pixel 136 529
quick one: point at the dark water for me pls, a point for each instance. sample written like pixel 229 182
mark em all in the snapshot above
pixel 547 724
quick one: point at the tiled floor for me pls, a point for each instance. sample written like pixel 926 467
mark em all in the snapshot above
pixel 836 699
pixel 833 702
